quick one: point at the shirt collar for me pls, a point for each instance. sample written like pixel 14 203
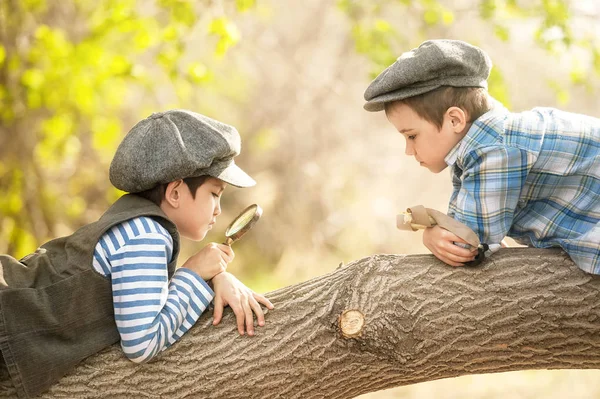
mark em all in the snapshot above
pixel 479 132
pixel 453 154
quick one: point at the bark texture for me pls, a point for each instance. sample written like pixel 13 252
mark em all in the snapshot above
pixel 522 309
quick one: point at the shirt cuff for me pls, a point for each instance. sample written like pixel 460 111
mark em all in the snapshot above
pixel 207 292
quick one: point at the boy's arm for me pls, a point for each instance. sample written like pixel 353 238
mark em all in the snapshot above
pixel 485 198
pixel 151 312
pixel 489 190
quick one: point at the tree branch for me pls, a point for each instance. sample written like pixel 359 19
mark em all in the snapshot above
pixel 523 309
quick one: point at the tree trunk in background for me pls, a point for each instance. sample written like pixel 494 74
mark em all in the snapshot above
pixel 523 309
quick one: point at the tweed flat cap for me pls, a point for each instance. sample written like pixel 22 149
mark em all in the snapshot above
pixel 176 144
pixel 433 64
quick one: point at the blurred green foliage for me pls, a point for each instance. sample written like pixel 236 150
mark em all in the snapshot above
pixel 70 74
pixel 74 75
pixel 378 37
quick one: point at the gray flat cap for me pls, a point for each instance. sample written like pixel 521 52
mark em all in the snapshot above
pixel 177 144
pixel 433 64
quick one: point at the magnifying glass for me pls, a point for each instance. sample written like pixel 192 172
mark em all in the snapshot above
pixel 242 223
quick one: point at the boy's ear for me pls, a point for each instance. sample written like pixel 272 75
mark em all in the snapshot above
pixel 457 118
pixel 173 193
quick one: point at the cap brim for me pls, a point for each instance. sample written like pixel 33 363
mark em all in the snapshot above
pixel 374 106
pixel 378 103
pixel 232 174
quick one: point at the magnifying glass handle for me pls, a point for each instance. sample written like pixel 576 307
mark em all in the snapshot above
pixel 228 241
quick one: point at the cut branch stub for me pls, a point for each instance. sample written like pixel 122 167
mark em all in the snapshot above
pixel 351 323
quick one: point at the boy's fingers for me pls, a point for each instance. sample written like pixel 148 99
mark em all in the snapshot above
pixel 449 261
pixel 457 253
pixel 450 236
pixel 239 316
pixel 223 266
pixel 260 316
pixel 226 258
pixel 458 259
pixel 260 298
pixel 456 238
pixel 249 317
pixel 227 252
pixel 218 311
pixel 454 264
pixel 457 250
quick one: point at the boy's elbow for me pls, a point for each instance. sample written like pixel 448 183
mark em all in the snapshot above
pixel 140 357
pixel 138 360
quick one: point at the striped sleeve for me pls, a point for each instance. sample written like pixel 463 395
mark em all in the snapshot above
pixel 151 312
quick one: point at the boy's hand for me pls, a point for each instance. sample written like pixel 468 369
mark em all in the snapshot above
pixel 441 243
pixel 210 260
pixel 242 300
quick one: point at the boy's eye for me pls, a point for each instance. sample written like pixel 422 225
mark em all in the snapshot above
pixel 215 195
pixel 411 137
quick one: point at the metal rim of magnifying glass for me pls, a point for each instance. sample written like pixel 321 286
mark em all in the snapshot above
pixel 237 235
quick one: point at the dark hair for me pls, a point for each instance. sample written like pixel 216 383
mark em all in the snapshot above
pixel 432 105
pixel 157 193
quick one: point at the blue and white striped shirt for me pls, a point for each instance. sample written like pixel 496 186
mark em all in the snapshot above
pixel 151 312
pixel 533 176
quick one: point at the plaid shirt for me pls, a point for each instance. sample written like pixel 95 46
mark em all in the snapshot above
pixel 532 176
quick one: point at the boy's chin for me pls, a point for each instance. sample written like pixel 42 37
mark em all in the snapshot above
pixel 196 237
pixel 438 169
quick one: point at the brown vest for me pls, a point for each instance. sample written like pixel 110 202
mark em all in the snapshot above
pixel 55 309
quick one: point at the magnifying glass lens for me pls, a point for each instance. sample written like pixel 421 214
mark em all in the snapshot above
pixel 240 222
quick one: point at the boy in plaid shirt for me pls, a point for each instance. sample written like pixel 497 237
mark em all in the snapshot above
pixel 533 176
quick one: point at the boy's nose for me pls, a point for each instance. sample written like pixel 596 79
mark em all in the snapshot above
pixel 218 209
pixel 409 150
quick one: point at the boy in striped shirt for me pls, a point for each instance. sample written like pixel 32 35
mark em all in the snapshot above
pixel 533 176
pixel 116 279
pixel 151 311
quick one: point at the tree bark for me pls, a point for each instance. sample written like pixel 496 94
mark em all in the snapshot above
pixel 522 309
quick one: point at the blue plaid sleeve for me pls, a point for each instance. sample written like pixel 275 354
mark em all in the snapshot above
pixel 487 193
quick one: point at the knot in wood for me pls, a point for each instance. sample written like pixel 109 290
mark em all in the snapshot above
pixel 351 323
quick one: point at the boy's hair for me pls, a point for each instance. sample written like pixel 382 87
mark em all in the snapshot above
pixel 157 193
pixel 432 105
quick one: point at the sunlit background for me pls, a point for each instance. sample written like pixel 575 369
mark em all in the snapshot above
pixel 75 76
